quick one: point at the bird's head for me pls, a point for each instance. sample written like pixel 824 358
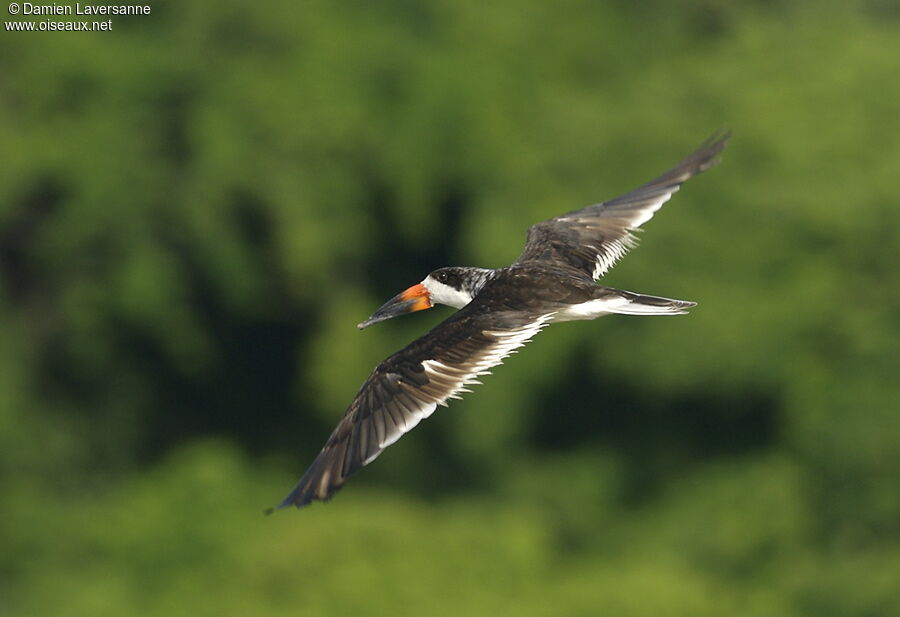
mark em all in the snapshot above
pixel 453 286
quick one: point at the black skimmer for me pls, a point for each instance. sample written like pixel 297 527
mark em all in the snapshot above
pixel 554 279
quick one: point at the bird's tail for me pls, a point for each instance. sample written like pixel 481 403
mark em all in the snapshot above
pixel 630 303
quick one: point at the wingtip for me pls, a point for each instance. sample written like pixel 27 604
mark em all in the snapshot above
pixel 295 499
pixel 719 139
pixel 287 503
pixel 710 150
pixel 304 493
pixel 720 134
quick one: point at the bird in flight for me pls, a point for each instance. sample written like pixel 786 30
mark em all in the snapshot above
pixel 554 279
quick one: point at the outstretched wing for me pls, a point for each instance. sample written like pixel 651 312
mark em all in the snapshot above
pixel 594 238
pixel 408 387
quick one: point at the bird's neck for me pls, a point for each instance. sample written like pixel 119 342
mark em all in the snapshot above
pixel 476 278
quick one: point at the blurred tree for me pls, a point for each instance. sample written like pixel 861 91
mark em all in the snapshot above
pixel 196 208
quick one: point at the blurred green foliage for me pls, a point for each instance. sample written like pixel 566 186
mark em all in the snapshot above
pixel 196 208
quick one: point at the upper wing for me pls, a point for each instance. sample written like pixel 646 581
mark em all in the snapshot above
pixel 594 238
pixel 409 386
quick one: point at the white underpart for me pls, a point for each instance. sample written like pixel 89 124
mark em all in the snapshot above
pixel 620 305
pixel 444 294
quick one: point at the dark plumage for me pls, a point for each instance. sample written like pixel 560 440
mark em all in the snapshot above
pixel 552 280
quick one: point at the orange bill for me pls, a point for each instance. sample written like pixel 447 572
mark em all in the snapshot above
pixel 416 298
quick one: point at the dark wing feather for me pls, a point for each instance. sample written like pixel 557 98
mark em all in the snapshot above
pixel 408 387
pixel 594 238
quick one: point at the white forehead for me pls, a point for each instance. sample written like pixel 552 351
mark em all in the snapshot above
pixel 444 294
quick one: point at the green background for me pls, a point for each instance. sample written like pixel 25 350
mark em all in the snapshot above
pixel 197 208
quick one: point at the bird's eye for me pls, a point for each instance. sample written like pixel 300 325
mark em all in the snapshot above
pixel 442 277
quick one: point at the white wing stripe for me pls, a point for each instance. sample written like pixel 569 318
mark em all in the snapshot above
pixel 404 426
pixel 612 252
pixel 446 381
pixel 646 213
pixel 613 249
pixel 459 376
